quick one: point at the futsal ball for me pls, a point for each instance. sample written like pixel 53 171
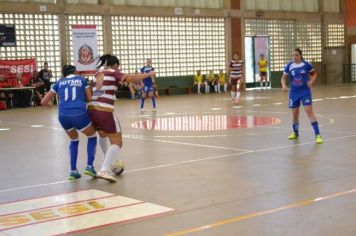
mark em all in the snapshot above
pixel 118 167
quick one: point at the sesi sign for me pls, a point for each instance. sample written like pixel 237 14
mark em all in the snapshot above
pixel 22 69
pixel 26 67
pixel 20 219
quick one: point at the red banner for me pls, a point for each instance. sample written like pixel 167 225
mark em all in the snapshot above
pixel 12 68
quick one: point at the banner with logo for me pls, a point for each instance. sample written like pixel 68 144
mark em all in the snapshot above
pixel 24 68
pixel 85 47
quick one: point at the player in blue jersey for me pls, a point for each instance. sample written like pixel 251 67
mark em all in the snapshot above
pixel 298 71
pixel 148 85
pixel 73 92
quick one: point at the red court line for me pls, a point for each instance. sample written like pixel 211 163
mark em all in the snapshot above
pixel 117 223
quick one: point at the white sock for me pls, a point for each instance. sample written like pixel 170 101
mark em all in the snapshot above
pixel 232 94
pixel 199 84
pixel 238 95
pixel 103 143
pixel 225 87
pixel 219 85
pixel 110 156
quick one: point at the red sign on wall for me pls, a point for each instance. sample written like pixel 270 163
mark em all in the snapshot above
pixel 12 68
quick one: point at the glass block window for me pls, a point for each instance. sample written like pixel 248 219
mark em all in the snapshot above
pixel 83 20
pixel 282 40
pixel 37 36
pixel 177 45
pixel 335 35
pixel 309 40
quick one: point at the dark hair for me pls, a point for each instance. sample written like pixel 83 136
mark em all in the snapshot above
pixel 68 69
pixel 299 51
pixel 107 60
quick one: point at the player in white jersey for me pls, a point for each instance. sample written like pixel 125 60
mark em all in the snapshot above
pixel 101 110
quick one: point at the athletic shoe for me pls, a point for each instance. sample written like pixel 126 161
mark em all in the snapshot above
pixel 154 110
pixel 293 136
pixel 74 175
pixel 142 111
pixel 106 175
pixel 89 170
pixel 319 140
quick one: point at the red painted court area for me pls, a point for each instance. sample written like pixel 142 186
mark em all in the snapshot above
pixel 206 122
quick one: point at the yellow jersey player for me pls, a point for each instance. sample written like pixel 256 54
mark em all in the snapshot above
pixel 198 80
pixel 222 81
pixel 262 65
pixel 209 81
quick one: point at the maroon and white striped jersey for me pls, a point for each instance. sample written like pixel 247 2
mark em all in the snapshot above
pixel 105 96
pixel 236 69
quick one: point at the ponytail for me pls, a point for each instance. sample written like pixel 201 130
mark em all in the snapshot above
pixel 107 60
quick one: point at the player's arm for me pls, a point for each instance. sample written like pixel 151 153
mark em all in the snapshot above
pixel 88 95
pixel 283 82
pixel 138 77
pixel 99 80
pixel 313 77
pixel 48 97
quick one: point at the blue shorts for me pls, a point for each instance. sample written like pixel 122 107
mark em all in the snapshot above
pixel 78 122
pixel 294 99
pixel 147 89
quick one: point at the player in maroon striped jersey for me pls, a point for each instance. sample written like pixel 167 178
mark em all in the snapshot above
pixel 236 77
pixel 101 109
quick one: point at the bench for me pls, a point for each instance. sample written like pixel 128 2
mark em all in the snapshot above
pixel 171 85
pixel 175 90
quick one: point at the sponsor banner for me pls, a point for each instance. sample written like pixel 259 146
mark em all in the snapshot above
pixel 85 47
pixel 10 69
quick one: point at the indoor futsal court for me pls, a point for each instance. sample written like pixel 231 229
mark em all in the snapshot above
pixel 199 166
pixel 206 93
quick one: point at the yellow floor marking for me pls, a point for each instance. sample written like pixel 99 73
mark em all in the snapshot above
pixel 261 213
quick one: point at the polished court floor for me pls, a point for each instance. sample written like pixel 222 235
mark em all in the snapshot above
pixel 199 166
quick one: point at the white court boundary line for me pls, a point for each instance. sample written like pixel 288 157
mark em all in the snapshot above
pixel 189 144
pixel 181 163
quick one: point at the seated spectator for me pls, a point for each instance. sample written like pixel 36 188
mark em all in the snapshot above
pixel 221 81
pixel 198 80
pixel 45 74
pixel 209 81
pixel 39 85
pixel 6 96
pixel 22 97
